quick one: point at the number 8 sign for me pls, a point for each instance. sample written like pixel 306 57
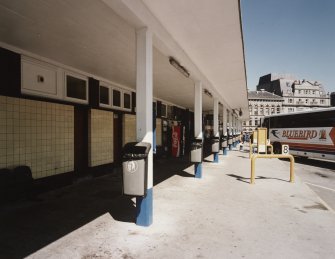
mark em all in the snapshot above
pixel 285 149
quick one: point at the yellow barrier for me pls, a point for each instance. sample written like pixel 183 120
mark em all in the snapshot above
pixel 253 158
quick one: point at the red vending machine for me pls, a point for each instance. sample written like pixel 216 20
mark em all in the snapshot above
pixel 175 141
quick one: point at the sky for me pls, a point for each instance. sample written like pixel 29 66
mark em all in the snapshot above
pixel 290 36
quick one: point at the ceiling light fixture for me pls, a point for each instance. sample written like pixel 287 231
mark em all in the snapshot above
pixel 208 93
pixel 238 112
pixel 179 67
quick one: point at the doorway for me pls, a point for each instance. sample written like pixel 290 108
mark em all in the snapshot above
pixel 80 140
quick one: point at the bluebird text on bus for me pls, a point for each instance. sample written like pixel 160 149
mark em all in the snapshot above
pixel 300 134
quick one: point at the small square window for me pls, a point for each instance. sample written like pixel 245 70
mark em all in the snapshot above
pixel 116 98
pixel 163 110
pixel 76 88
pixel 126 101
pixel 104 95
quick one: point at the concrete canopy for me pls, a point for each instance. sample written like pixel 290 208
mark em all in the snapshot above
pixel 98 38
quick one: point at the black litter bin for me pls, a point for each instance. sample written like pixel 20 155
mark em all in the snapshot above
pixel 215 144
pixel 196 151
pixel 135 168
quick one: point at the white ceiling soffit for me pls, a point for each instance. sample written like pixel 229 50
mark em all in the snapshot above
pixel 88 36
pixel 210 34
pixel 205 36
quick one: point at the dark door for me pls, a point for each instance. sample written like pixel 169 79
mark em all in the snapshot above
pixel 117 138
pixel 80 140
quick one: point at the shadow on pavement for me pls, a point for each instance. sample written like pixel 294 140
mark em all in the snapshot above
pixel 315 162
pixel 165 168
pixel 29 225
pixel 247 179
pixel 243 157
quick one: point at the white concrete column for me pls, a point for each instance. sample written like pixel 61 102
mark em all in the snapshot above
pixel 230 121
pixel 225 118
pixel 235 117
pixel 216 117
pixel 144 78
pixel 198 110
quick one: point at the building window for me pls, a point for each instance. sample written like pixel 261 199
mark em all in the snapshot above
pixel 170 112
pixel 290 100
pixel 164 110
pixel 76 88
pixel 322 101
pixel 126 101
pixel 116 98
pixel 104 95
pixel 278 109
pixel 250 123
pixel 256 122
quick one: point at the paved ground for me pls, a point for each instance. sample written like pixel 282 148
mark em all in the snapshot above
pixel 218 216
pixel 319 175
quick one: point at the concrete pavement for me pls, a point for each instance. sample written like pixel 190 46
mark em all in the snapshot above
pixel 218 216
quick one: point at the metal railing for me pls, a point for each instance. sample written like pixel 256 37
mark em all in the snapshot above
pixel 254 157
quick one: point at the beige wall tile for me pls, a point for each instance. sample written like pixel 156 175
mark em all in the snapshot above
pixel 100 137
pixel 129 128
pixel 31 136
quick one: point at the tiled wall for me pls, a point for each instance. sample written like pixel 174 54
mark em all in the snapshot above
pixel 129 128
pixel 37 134
pixel 100 140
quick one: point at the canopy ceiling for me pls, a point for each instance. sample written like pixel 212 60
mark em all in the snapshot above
pixel 99 37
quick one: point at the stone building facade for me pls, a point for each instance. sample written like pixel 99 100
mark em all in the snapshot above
pixel 262 103
pixel 298 95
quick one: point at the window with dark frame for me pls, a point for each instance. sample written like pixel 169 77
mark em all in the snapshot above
pixel 164 110
pixel 126 101
pixel 116 98
pixel 76 88
pixel 104 95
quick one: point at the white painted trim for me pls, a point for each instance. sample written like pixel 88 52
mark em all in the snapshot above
pixel 216 117
pixel 59 65
pixel 58 95
pixel 62 67
pixel 198 110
